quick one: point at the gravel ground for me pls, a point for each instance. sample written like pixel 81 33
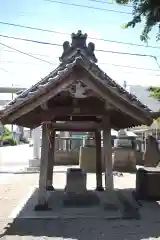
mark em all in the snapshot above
pixel 13 191
pixel 81 229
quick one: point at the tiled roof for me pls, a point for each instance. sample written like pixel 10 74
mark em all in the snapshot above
pixel 62 71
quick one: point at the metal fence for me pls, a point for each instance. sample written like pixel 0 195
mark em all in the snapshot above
pixel 73 144
pixel 69 143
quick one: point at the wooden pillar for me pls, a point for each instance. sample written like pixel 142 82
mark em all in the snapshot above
pixel 99 186
pixel 51 161
pixel 107 151
pixel 42 192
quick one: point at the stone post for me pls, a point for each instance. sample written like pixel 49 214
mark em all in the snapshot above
pixel 107 150
pixel 51 161
pixel 36 135
pixel 99 186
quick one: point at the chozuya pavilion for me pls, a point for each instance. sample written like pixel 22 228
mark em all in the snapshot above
pixel 76 96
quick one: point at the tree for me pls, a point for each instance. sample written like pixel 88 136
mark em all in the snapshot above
pixel 155 92
pixel 149 10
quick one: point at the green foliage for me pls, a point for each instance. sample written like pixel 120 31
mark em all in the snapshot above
pixel 155 92
pixel 6 131
pixel 149 10
pixel 122 1
pixel 7 136
pixel 158 122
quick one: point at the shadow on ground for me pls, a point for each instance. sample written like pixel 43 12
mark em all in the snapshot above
pixel 82 228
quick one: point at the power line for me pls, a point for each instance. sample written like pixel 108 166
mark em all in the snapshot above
pixel 32 28
pixel 157 61
pixel 36 54
pixel 67 34
pixel 27 54
pixel 17 62
pixel 97 50
pixel 114 65
pixel 98 1
pixel 86 6
pixel 128 66
pixel 71 18
pixel 151 74
pixel 30 40
pixel 100 63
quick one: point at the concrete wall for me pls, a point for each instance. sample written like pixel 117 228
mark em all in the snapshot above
pixel 66 158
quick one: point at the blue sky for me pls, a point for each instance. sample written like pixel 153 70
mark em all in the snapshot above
pixel 22 70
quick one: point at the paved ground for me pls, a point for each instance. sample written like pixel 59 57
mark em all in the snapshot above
pixel 14 187
pixel 15 158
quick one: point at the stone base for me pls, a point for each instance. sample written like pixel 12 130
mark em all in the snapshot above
pixel 42 207
pixel 147 184
pixel 86 199
pixel 61 205
pixel 87 159
pixel 34 163
pixel 76 181
pixel 50 188
pixel 100 189
pixel 124 160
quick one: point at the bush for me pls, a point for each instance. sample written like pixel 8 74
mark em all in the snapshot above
pixel 7 138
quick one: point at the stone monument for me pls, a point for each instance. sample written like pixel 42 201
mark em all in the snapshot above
pixel 76 194
pixel 152 153
pixel 76 181
pixel 36 136
pixel 87 155
pixel 124 154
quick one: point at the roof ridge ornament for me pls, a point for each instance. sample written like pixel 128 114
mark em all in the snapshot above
pixel 78 43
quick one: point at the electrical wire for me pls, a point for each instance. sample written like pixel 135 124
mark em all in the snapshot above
pixel 98 1
pixel 36 54
pixel 87 6
pixel 128 66
pixel 67 34
pixel 23 63
pixel 134 73
pixel 33 28
pixel 27 54
pixel 30 40
pixel 100 63
pixel 157 61
pixel 97 50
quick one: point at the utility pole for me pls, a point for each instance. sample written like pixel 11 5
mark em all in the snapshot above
pixel 125 84
pixel 12 124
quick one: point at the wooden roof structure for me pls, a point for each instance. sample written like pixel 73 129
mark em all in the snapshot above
pixel 77 90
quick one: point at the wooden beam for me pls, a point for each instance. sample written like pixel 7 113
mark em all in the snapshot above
pixel 76 126
pixel 69 111
pixel 79 111
pixel 51 161
pixel 42 193
pixel 44 106
pixel 78 118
